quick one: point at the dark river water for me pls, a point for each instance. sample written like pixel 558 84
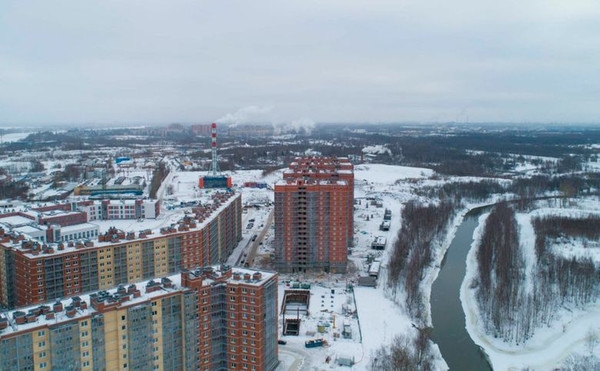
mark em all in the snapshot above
pixel 449 332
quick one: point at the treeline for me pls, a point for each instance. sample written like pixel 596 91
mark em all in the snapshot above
pixel 563 280
pixel 560 226
pixel 14 190
pixel 473 191
pixel 570 185
pixel 500 266
pixel 404 355
pixel 514 305
pixel 158 177
pixel 412 253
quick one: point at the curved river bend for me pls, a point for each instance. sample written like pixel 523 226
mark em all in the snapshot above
pixel 449 332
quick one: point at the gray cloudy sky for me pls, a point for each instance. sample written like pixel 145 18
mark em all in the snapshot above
pixel 129 61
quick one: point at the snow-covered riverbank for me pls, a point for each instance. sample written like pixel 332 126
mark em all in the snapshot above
pixel 570 336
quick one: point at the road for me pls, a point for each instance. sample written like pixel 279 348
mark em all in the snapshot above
pixel 254 245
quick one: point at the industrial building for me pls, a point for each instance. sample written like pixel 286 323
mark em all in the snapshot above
pixel 314 205
pixel 213 318
pixel 32 271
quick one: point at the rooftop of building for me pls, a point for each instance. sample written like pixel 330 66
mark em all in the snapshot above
pixel 316 170
pixel 231 275
pixel 311 182
pixel 199 216
pixel 15 221
pixel 84 306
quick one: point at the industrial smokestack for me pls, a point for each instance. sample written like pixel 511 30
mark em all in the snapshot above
pixel 215 165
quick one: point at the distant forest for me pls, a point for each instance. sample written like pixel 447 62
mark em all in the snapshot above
pixel 449 150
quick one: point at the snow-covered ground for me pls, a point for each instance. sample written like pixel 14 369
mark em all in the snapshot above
pixel 550 347
pixel 13 137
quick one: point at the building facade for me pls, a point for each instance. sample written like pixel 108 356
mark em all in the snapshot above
pixel 33 272
pixel 192 321
pixel 314 206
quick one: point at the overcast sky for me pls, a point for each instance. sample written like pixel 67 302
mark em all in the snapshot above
pixel 127 61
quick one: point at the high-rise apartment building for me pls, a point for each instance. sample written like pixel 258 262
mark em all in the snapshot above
pixel 210 319
pixel 314 225
pixel 32 271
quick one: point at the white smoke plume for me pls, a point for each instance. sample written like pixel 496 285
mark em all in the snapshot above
pixel 267 115
pixel 248 115
pixel 298 126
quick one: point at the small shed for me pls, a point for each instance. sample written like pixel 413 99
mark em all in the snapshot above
pixel 345 361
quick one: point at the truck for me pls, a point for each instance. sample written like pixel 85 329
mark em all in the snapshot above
pixel 314 343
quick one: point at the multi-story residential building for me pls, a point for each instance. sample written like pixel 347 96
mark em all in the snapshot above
pixel 251 131
pixel 34 272
pixel 237 318
pixel 314 206
pixel 214 318
pixel 120 209
pixel 64 221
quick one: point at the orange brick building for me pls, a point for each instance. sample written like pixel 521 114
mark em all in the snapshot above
pixel 314 215
pixel 33 272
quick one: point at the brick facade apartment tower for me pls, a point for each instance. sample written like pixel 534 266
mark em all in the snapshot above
pixel 209 319
pixel 314 224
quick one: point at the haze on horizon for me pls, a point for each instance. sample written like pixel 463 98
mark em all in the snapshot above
pixel 377 61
